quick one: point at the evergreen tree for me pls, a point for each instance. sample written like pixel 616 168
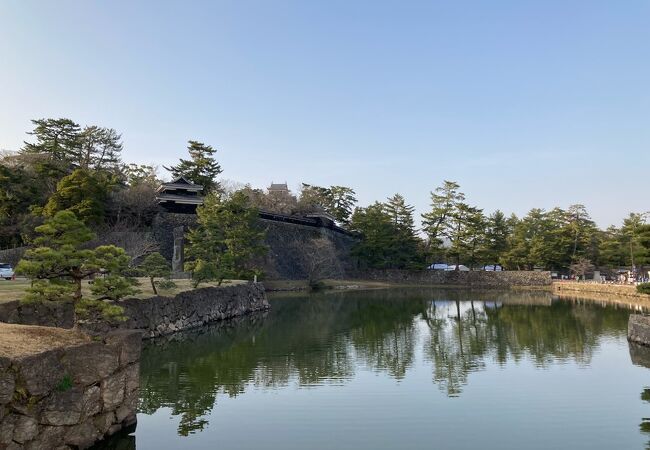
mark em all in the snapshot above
pixel 341 203
pixel 338 201
pixel 438 223
pixel 405 239
pixel 58 263
pixel 375 249
pixel 83 192
pixel 497 234
pixel 226 241
pixel 202 168
pixel 99 149
pixel 155 266
pixel 57 138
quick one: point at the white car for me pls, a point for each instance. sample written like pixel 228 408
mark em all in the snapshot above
pixel 461 268
pixel 6 271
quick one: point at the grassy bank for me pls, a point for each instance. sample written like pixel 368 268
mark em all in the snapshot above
pixel 303 285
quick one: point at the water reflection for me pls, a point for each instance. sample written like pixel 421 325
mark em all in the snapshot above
pixel 327 338
pixel 640 356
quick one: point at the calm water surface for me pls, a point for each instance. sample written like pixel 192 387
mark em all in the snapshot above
pixel 400 369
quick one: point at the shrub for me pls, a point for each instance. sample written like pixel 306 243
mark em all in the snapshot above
pixel 643 288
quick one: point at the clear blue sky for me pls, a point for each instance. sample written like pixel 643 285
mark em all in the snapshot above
pixel 524 103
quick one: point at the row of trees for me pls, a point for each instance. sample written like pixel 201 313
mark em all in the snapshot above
pixel 457 232
pixel 68 167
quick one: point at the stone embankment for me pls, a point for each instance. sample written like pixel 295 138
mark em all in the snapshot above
pixel 60 389
pixel 638 329
pixel 478 279
pixel 46 314
pixel 159 316
pixel 625 290
pixel 155 316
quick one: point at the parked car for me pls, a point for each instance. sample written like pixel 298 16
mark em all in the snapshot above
pixel 493 268
pixel 7 272
pixel 461 268
pixel 438 266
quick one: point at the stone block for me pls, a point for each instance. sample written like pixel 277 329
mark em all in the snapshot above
pixel 128 344
pixel 48 438
pixel 103 422
pixel 638 329
pixel 113 391
pixel 25 429
pixel 7 429
pixel 63 408
pixel 91 402
pixel 82 435
pixel 7 385
pixel 41 373
pixel 132 375
pixel 89 363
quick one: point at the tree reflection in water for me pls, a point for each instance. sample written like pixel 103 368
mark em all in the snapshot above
pixel 640 356
pixel 325 338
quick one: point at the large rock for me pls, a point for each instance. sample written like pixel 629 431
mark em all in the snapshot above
pixel 638 329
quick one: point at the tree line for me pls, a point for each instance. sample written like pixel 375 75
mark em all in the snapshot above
pixel 69 167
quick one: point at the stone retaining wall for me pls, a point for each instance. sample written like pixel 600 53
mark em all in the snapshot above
pixel 47 314
pixel 158 316
pixel 638 329
pixel 626 290
pixel 481 279
pixel 70 397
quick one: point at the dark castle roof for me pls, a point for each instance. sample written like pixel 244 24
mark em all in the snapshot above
pixel 180 183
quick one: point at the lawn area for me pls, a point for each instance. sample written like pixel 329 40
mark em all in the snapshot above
pixel 14 290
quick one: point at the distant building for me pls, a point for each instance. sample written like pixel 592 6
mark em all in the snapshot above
pixel 278 188
pixel 180 196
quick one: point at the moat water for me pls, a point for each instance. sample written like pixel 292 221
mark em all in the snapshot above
pixel 400 369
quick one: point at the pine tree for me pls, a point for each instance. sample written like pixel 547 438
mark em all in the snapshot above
pixel 100 149
pixel 226 241
pixel 59 262
pixel 497 234
pixel 438 223
pixel 202 168
pixel 406 242
pixel 57 138
pixel 338 201
pixel 83 192
pixel 155 266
